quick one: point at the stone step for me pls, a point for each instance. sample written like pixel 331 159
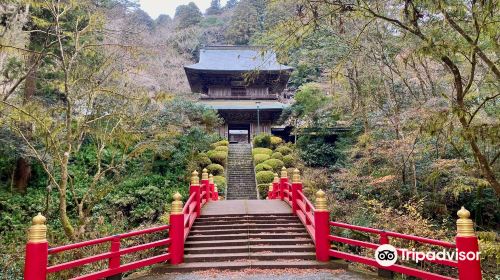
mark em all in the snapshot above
pixel 250 249
pixel 201 237
pixel 261 256
pixel 248 242
pixel 244 264
pixel 239 221
pixel 247 231
pixel 215 216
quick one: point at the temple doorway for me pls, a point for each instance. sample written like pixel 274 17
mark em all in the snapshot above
pixel 239 133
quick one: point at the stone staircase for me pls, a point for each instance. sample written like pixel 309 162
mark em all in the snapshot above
pixel 240 241
pixel 240 173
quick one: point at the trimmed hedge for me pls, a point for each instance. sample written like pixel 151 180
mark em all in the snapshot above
pixel 264 151
pixel 264 177
pixel 203 160
pixel 263 167
pixel 262 140
pixel 220 181
pixel 276 164
pixel 289 160
pixel 222 148
pixel 275 141
pixel 220 143
pixel 285 150
pixel 260 158
pixel 219 157
pixel 277 155
pixel 215 169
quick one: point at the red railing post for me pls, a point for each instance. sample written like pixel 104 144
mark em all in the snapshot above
pixel 37 254
pixel 212 186
pixel 283 182
pixel 196 189
pixel 206 183
pixel 296 188
pixel 216 193
pixel 469 263
pixel 321 227
pixel 384 239
pixel 115 261
pixel 176 248
pixel 276 186
pixel 270 191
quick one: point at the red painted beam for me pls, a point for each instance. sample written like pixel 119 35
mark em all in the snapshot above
pixel 396 268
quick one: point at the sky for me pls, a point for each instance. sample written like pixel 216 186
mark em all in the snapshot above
pixel 154 8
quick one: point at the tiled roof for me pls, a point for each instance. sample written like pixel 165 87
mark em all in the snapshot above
pixel 238 58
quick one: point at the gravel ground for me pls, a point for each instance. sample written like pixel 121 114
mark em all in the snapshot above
pixel 256 274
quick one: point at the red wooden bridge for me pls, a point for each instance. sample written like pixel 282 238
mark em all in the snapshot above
pixel 287 225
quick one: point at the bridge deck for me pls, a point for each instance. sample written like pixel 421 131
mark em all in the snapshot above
pixel 238 207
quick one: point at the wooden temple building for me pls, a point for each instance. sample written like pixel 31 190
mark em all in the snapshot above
pixel 243 84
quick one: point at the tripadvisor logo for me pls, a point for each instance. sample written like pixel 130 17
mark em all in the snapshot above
pixel 386 255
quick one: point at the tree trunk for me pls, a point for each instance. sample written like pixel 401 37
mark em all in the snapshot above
pixel 22 175
pixel 30 82
pixel 63 213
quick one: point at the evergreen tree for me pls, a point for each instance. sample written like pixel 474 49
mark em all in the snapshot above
pixel 244 23
pixel 215 8
pixel 188 15
pixel 231 4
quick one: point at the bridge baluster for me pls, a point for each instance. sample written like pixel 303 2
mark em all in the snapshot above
pixel 296 188
pixel 195 188
pixel 176 248
pixel 115 262
pixel 467 245
pixel 270 191
pixel 283 181
pixel 206 182
pixel 321 227
pixel 276 186
pixel 216 193
pixel 35 264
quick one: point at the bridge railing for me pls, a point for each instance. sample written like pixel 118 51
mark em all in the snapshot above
pixel 174 235
pixel 316 219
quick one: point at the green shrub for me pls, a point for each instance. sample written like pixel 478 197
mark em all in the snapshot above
pixel 275 141
pixel 263 190
pixel 265 151
pixel 220 143
pixel 260 158
pixel 316 151
pixel 276 164
pixel 277 155
pixel 215 169
pixel 285 150
pixel 218 157
pixel 220 181
pixel 222 148
pixel 289 160
pixel 203 160
pixel 262 140
pixel 264 177
pixel 263 167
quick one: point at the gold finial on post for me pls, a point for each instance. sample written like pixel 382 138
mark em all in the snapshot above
pixel 320 201
pixel 176 204
pixel 204 174
pixel 215 188
pixel 38 230
pixel 296 176
pixel 195 180
pixel 465 226
pixel 276 178
pixel 211 178
pixel 270 187
pixel 283 172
